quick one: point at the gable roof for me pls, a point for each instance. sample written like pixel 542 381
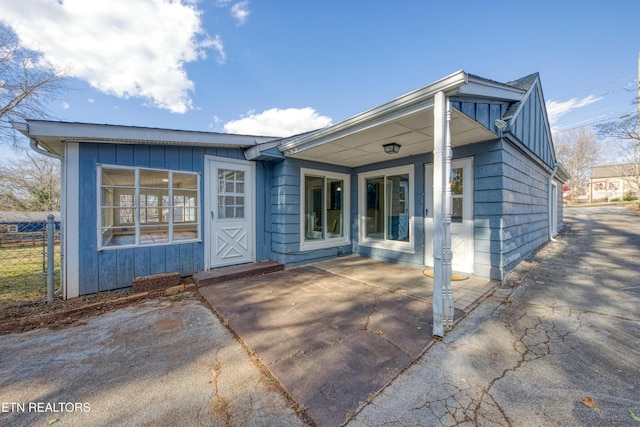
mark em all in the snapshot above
pixel 407 120
pixel 519 120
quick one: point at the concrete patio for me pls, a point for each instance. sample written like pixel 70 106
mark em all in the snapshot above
pixel 336 332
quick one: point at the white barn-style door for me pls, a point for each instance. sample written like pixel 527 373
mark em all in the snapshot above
pixel 229 212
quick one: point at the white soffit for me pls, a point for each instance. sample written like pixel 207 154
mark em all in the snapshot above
pixel 414 133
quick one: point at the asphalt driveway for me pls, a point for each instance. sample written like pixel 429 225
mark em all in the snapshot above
pixel 562 348
pixel 164 362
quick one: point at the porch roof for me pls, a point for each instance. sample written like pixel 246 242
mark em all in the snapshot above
pixel 407 120
pixel 52 135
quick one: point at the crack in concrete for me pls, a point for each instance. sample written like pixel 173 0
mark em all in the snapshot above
pixel 220 403
pixel 373 311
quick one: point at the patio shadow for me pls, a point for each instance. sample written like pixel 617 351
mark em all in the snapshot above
pixel 330 340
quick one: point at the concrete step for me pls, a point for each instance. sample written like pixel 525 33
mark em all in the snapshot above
pixel 224 274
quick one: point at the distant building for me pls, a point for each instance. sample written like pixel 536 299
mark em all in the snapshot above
pixel 613 182
pixel 26 222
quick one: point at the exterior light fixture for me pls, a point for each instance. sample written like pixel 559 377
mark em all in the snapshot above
pixel 501 124
pixel 392 148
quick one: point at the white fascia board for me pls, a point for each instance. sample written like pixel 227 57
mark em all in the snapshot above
pixel 410 103
pixel 489 89
pixel 260 150
pixel 89 132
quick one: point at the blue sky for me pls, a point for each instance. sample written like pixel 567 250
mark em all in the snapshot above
pixel 283 67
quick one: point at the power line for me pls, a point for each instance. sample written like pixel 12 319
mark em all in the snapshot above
pixel 629 83
pixel 591 122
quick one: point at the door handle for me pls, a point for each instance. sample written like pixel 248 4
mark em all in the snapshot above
pixel 212 215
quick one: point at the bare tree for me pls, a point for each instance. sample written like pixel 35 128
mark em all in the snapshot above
pixel 578 150
pixel 623 137
pixel 30 184
pixel 26 86
pixel 625 128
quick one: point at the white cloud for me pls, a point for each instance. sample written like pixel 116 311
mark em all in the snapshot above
pixel 123 48
pixel 278 122
pixel 556 109
pixel 240 11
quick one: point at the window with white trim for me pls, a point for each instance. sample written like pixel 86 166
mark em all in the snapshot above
pixel 140 206
pixel 385 208
pixel 324 209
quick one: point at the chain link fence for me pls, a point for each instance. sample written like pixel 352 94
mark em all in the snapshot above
pixel 23 256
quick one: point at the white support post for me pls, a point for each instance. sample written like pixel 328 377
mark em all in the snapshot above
pixel 447 252
pixel 442 252
pixel 439 136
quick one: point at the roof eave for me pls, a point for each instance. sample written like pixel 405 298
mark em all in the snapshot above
pixel 484 88
pixel 48 131
pixel 410 103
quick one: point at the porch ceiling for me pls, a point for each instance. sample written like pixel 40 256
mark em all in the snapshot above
pixel 413 132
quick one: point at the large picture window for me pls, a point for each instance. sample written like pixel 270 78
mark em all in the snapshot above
pixel 324 209
pixel 147 206
pixel 385 207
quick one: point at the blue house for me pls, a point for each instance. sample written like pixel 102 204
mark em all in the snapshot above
pixel 460 175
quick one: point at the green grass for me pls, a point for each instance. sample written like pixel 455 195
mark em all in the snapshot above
pixel 21 278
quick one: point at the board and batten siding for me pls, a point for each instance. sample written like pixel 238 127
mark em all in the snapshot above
pixel 483 112
pixel 100 270
pixel 531 128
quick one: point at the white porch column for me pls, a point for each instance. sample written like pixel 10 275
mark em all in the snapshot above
pixel 447 251
pixel 442 253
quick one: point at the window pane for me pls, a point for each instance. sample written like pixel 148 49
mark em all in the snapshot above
pixel 456 194
pixel 125 199
pixel 122 215
pixel 456 213
pixel 154 234
pixel 188 231
pixel 398 207
pixel 118 177
pixel 185 180
pixel 107 217
pixel 375 208
pixel 230 184
pixel 154 179
pixel 334 208
pixel 456 182
pixel 313 193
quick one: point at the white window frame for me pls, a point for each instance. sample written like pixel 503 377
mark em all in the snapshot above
pixel 408 247
pixel 326 242
pixel 137 208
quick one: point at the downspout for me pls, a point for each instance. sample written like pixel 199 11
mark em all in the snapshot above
pixel 33 143
pixel 550 202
